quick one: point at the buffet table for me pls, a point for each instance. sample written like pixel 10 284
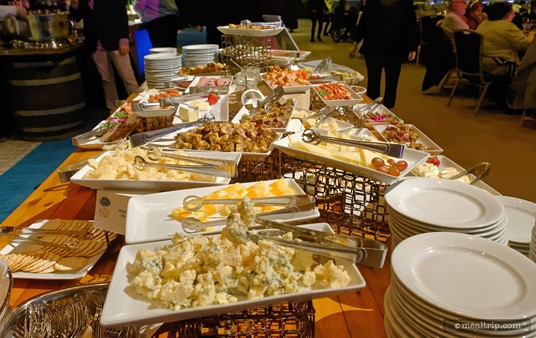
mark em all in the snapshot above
pixel 352 314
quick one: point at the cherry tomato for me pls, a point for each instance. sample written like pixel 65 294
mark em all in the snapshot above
pixel 383 169
pixel 394 171
pixel 401 165
pixel 391 161
pixel 377 162
pixel 434 160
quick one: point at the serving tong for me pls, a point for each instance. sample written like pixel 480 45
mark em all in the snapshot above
pixel 209 166
pixel 305 203
pixel 275 95
pixel 222 171
pixel 194 203
pixel 362 251
pixel 141 139
pixel 86 137
pixel 390 149
pixel 320 116
pixel 480 171
pixel 367 108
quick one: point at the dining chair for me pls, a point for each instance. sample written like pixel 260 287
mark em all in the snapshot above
pixel 468 53
pixel 430 33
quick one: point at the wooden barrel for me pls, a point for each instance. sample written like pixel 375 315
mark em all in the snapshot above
pixel 48 100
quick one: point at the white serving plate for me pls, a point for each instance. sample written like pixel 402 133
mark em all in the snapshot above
pixel 434 149
pixel 413 157
pixel 445 203
pixel 245 112
pixel 57 275
pixel 122 306
pixel 467 275
pixel 445 162
pixel 354 98
pixel 149 216
pixel 251 32
pixel 153 185
pixel 521 218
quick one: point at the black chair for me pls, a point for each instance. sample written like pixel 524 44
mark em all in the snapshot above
pixel 430 33
pixel 468 53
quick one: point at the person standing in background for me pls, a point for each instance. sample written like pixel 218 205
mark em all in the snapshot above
pixel 162 20
pixel 317 8
pixel 107 40
pixel 290 14
pixel 388 29
pixel 328 16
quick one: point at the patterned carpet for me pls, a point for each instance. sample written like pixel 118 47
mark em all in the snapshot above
pixel 12 151
pixel 24 166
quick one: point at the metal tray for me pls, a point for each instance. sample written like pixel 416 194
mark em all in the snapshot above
pixel 43 316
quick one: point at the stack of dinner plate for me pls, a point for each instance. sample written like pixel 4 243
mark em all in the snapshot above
pixel 165 50
pixel 161 68
pixel 521 220
pixel 193 55
pixel 447 284
pixel 420 205
pixel 532 250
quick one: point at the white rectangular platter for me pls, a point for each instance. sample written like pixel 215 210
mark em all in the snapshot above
pixel 122 306
pixel 384 116
pixel 413 157
pixel 149 216
pixel 245 112
pixel 293 89
pixel 250 32
pixel 57 275
pixel 354 98
pixel 433 148
pixel 445 162
pixel 153 185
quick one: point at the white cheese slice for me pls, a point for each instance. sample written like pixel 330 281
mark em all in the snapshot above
pixel 203 106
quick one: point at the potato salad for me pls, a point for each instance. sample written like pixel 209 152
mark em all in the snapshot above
pixel 200 270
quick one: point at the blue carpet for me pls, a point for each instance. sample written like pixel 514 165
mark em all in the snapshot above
pixel 21 180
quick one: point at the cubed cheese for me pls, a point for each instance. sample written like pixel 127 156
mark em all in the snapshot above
pixel 187 114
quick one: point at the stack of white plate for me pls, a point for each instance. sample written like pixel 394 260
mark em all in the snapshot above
pixel 521 220
pixel 455 285
pixel 161 68
pixel 420 205
pixel 164 50
pixel 532 250
pixel 193 55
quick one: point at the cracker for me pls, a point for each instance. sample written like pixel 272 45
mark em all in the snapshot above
pixel 70 263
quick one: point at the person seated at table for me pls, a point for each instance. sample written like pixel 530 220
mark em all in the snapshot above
pixel 475 14
pixel 455 18
pixel 11 10
pixel 524 82
pixel 503 41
